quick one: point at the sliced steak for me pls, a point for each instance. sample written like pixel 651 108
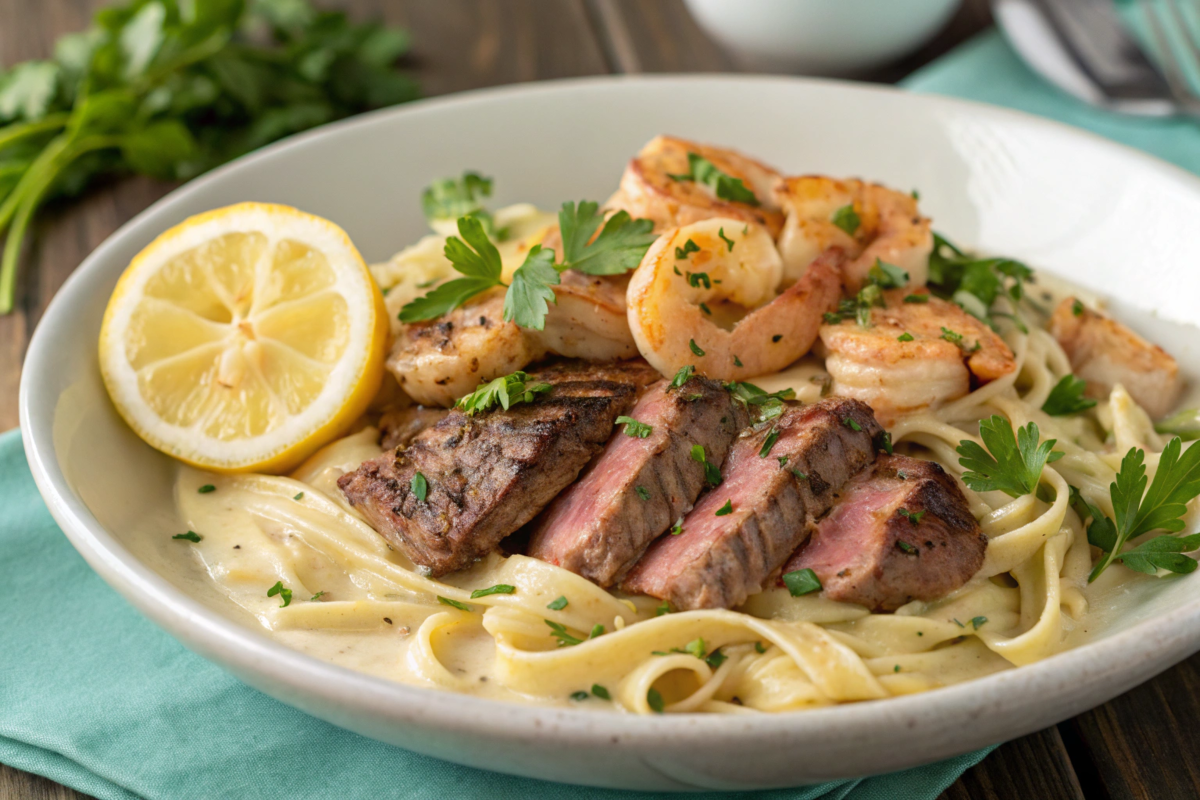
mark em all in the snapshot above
pixel 901 531
pixel 398 426
pixel 489 474
pixel 720 560
pixel 639 487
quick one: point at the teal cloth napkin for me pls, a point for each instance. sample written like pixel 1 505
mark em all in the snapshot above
pixel 95 696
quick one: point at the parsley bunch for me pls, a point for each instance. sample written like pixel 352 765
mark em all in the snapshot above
pixel 1137 511
pixel 171 88
pixel 617 248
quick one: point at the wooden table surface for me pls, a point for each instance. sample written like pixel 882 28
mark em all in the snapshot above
pixel 1145 744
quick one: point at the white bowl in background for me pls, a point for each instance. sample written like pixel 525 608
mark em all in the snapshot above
pixel 1094 212
pixel 821 37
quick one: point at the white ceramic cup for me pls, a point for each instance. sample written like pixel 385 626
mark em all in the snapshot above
pixel 820 37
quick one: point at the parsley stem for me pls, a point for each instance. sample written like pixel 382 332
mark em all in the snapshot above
pixel 14 133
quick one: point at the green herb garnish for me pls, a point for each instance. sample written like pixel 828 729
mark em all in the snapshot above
pixel 635 429
pixel 655 700
pixel 452 198
pixel 904 337
pixel 723 185
pixel 1067 397
pixel 1012 463
pixel 558 604
pixel 768 443
pixel 446 601
pixel 801 582
pixel 695 348
pixel 601 692
pixel 728 242
pixel 847 219
pixel 284 593
pixel 419 487
pixel 688 247
pixel 206 488
pixel 506 390
pixel 913 516
pixel 906 548
pixel 559 632
pixel 499 588
pixel 726 509
pixel 682 376
pixel 298 496
pixel 190 536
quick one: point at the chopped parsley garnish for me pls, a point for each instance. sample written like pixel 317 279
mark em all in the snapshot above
pixel 580 695
pixel 642 492
pixel 1067 397
pixel 907 548
pixel 759 647
pixel 737 362
pixel 505 390
pixel 635 429
pixel 768 443
pixel 597 630
pixel 1077 308
pixel 206 488
pixel 974 283
pixel 800 475
pixel 852 424
pixel 559 632
pixel 951 336
pixel 663 608
pixel 696 647
pixel 601 692
pixel 728 242
pixel 915 194
pixel 847 219
pixel 298 496
pixel 451 198
pixel 769 405
pixel 190 536
pixel 904 337
pixel 655 701
pixel 688 247
pixel 883 442
pixel 558 604
pixel 913 516
pixel 317 597
pixel 916 298
pixel 696 279
pixel 695 348
pixel 682 376
pixel 1138 510
pixel 677 528
pixel 420 487
pixel 881 276
pixel 726 509
pixel 499 588
pixel 801 582
pixel 782 460
pixel 706 309
pixel 284 593
pixel 1012 463
pixel 775 339
pixel 977 621
pixel 724 186
pixel 712 473
pixel 446 601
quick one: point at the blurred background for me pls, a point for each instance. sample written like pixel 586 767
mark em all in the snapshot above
pixel 107 106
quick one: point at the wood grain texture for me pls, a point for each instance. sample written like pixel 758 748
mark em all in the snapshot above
pixel 17 785
pixel 1034 766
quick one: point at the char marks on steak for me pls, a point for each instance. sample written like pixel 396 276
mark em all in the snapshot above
pixel 718 561
pixel 490 474
pixel 639 487
pixel 901 531
pixel 399 426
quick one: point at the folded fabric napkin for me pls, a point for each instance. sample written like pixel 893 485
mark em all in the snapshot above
pixel 96 697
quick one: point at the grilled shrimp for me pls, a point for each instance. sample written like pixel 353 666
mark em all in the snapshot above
pixel 648 189
pixel 889 228
pixel 897 375
pixel 706 294
pixel 1105 353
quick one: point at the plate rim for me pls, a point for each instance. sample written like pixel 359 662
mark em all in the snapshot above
pixel 1177 632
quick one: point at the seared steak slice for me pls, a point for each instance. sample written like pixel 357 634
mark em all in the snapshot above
pixel 399 426
pixel 489 474
pixel 720 560
pixel 901 531
pixel 639 486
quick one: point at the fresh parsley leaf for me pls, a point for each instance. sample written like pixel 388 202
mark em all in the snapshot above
pixel 617 249
pixel 1077 308
pixel 446 601
pixel 190 536
pixel 206 488
pixel 883 442
pixel 499 588
pixel 801 582
pixel 712 473
pixel 601 692
pixel 505 390
pixel 976 622
pixel 635 429
pixel 696 648
pixel 682 376
pixel 1067 397
pixel 974 283
pixel 1012 463
pixel 642 492
pixel 655 700
pixel 564 637
pixel 597 630
pixel 284 593
pixel 298 496
pixel 558 604
pixel 715 659
pixel 768 405
pixel 528 297
pixel 916 298
pixel 723 185
pixel 887 276
pixel 419 487
pixel 695 348
pixel 475 257
pixel 847 219
pixel 726 509
pixel 768 443
pixel 904 337
pixel 1138 510
pixel 913 516
pixel 663 608
pixel 451 198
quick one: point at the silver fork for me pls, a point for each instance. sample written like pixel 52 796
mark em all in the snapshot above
pixel 1171 54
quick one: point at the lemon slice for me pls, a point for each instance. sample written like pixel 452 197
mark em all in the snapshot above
pixel 244 338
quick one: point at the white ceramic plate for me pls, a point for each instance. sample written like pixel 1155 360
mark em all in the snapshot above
pixel 1108 217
